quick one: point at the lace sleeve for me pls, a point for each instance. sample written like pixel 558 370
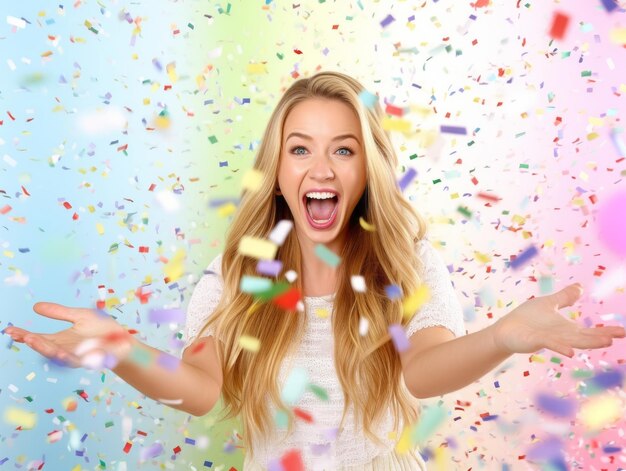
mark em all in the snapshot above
pixel 443 308
pixel 204 299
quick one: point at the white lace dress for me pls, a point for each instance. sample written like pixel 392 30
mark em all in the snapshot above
pixel 320 445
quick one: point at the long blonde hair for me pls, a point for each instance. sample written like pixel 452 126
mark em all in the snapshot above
pixel 368 367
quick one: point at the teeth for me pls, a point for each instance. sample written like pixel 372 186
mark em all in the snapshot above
pixel 320 195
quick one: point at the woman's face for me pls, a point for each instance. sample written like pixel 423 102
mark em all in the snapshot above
pixel 322 151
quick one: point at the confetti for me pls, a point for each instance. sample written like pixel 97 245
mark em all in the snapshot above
pixel 20 417
pixel 358 283
pixel 247 342
pixel 398 336
pixel 252 180
pixel 414 302
pixel 393 291
pixel 281 231
pixel 611 223
pixel 295 385
pixel 364 325
pixel 601 411
pixel 257 248
pixel 557 406
pixel 524 257
pixel 269 267
pixel 326 255
pixel 254 284
pixel 161 316
pixel 453 129
pixel 366 226
pixel 368 99
pixel 407 178
pixel 560 22
pixel 17 22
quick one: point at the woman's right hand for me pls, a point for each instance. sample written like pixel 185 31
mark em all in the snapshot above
pixel 94 340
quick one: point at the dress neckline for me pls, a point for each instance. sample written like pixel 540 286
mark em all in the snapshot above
pixel 325 297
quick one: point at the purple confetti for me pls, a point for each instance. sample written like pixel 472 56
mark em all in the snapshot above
pixel 453 129
pixel 269 267
pixel 609 5
pixel 407 178
pixel 150 452
pixel 387 21
pixel 559 406
pixel 524 257
pixel 393 291
pixel 608 379
pixel 168 361
pixel 159 316
pixel 398 336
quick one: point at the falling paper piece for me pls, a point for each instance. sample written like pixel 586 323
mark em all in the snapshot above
pixel 252 180
pixel 281 231
pixel 327 255
pixel 295 385
pixel 358 283
pixel 247 342
pixel 414 302
pixel 398 336
pixel 257 248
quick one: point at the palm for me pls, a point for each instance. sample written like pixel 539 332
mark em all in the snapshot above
pixel 90 333
pixel 537 324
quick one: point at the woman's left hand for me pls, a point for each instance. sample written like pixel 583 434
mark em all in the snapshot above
pixel 537 324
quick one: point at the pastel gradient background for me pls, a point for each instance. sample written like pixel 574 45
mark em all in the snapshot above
pixel 121 122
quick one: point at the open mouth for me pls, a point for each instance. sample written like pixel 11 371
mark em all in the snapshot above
pixel 321 213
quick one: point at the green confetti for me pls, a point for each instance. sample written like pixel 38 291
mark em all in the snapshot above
pixel 326 255
pixel 318 391
pixel 429 422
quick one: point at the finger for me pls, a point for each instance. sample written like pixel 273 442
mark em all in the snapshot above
pixel 17 334
pixel 41 345
pixel 568 295
pixel 561 348
pixel 58 311
pixel 611 331
pixel 591 341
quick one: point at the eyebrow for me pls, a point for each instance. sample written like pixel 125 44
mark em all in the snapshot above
pixel 306 136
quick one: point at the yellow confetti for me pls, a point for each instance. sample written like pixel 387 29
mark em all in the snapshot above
pixel 252 180
pixel 256 68
pixel 226 209
pixel 618 35
pixel 441 459
pixel 171 71
pixel 322 313
pixel 601 411
pixel 397 124
pixel 20 417
pixel 257 248
pixel 404 444
pixel 482 257
pixel 249 343
pixel 99 228
pixel 365 225
pixel 412 303
pixel 30 376
pixel 175 268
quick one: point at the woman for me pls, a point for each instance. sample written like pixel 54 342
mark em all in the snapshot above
pixel 330 382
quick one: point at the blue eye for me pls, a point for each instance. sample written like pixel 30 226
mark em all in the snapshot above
pixel 295 149
pixel 344 148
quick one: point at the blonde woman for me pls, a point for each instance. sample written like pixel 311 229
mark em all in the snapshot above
pixel 333 382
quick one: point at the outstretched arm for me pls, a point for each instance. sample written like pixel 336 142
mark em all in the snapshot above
pixel 436 363
pixel 96 340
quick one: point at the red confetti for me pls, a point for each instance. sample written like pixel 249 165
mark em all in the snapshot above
pixel 394 110
pixel 127 447
pixel 5 209
pixel 288 300
pixel 292 461
pixel 67 205
pixel 297 51
pixel 559 25
pixel 303 415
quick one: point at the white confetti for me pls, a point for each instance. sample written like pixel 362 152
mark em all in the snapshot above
pixel 17 22
pixel 358 283
pixel 364 326
pixel 281 231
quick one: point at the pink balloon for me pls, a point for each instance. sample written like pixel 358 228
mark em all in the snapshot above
pixel 611 223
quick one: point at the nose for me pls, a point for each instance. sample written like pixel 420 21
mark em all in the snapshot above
pixel 321 168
